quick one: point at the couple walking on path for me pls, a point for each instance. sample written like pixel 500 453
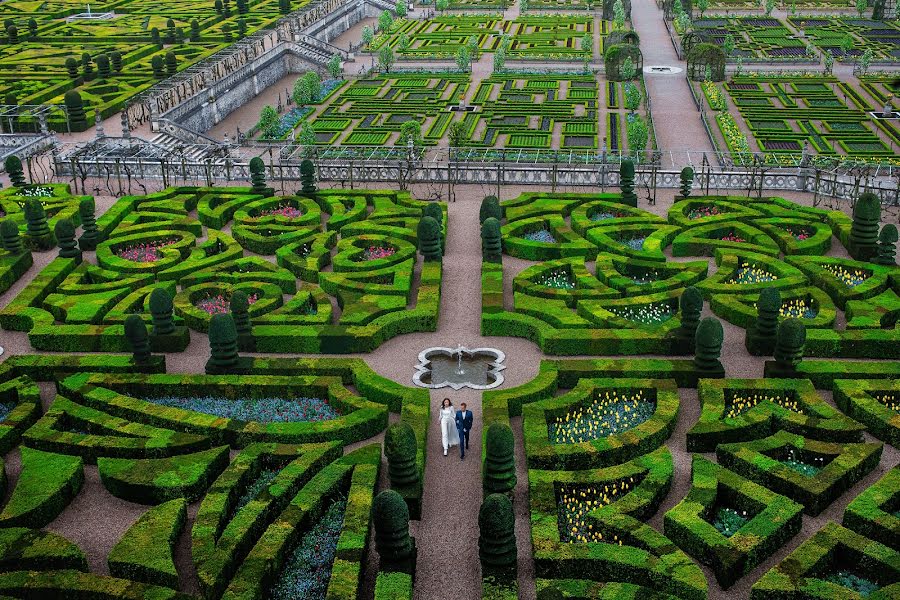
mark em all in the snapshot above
pixel 455 426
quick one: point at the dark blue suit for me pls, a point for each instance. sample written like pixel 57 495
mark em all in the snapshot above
pixel 463 425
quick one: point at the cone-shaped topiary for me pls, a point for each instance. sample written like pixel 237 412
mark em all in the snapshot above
pixel 791 344
pixel 887 246
pixel 136 334
pixel 691 305
pixel 687 181
pixel 91 235
pixel 762 337
pixel 258 175
pixel 65 237
pixel 433 210
pixel 626 182
pixel 308 177
pixel 400 448
pixel 708 346
pixel 161 311
pixel 490 207
pixel 9 232
pixel 429 234
pixel 491 241
pixel 13 167
pixel 390 517
pixel 500 460
pixel 864 230
pixel 223 342
pixel 75 110
pixel 37 231
pixel 497 532
pixel 240 306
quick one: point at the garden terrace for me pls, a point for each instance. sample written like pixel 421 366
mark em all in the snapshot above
pixel 756 39
pixel 882 37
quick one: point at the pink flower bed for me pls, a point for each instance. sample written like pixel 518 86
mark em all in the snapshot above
pixel 219 304
pixel 282 210
pixel 148 252
pixel 703 211
pixel 376 252
pixel 732 237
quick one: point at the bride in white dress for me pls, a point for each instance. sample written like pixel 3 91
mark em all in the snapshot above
pixel 449 434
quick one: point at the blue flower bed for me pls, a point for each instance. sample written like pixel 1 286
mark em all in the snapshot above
pixel 541 235
pixel 262 481
pixel 727 521
pixel 610 413
pixel 291 118
pixel 847 579
pixel 5 409
pixel 263 410
pixel 636 243
pixel 307 570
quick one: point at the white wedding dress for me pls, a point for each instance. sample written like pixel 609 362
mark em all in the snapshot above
pixel 449 434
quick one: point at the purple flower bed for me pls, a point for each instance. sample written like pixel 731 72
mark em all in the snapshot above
pixel 263 410
pixel 703 211
pixel 307 570
pixel 376 252
pixel 148 252
pixel 219 304
pixel 282 210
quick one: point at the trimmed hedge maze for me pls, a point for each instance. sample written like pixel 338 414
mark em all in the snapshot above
pixel 756 39
pixel 628 301
pixel 882 37
pixel 283 511
pixel 335 272
pixel 34 60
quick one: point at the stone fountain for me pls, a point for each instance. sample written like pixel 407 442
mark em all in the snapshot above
pixel 475 368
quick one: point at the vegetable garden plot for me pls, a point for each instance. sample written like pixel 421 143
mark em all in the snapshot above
pixel 756 39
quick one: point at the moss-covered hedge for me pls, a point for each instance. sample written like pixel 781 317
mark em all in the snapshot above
pixel 145 551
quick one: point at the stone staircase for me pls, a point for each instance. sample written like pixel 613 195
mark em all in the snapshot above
pixel 177 148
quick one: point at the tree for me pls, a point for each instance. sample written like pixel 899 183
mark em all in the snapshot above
pixel 429 237
pixel 14 169
pixel 499 59
pixel 684 22
pixel 307 138
pixel 157 64
pixel 400 447
pixel 632 96
pixel 269 122
pixel 702 5
pixel 619 14
pixel 195 30
pixel 847 44
pixel 829 62
pixel 626 182
pixel 65 238
pixel 410 130
pixel 441 5
pixel 335 66
pixel 887 246
pixel 638 135
pixel 864 229
pixel 386 58
pixel 9 232
pixel 75 111
pixel 390 518
pixel 627 70
pixel 523 5
pixel 456 134
pixel 385 21
pixel 403 42
pixel 136 334
pixel 497 532
pixel 90 236
pixel 491 241
pixel 861 6
pixel 728 44
pixel 367 36
pixel 463 59
pixel 490 207
pixel 690 305
pixel 587 47
pixel 687 181
pixel 72 68
pixel 770 6
pixel 790 345
pixel 258 175
pixel 313 86
pixel 115 58
pixel 761 338
pixel 865 61
pixel 473 47
pixel 400 8
pixel 223 344
pixel 161 311
pixel 708 346
pixel 12 34
pixel 500 460
pixel 308 177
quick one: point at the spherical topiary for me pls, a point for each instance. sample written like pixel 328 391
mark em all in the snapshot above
pixel 500 460
pixel 65 237
pixel 258 174
pixel 708 345
pixel 864 230
pixel 626 182
pixel 687 180
pixel 691 305
pixel 433 210
pixel 791 344
pixel 91 235
pixel 9 232
pixel 308 177
pixel 491 240
pixel 136 334
pixel 13 167
pixel 429 234
pixel 400 449
pixel 390 518
pixel 490 208
pixel 887 246
pixel 223 342
pixel 497 532
pixel 240 306
pixel 37 231
pixel 161 311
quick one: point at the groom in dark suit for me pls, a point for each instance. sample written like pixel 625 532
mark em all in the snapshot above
pixel 463 425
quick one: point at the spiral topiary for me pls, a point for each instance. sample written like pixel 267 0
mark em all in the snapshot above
pixel 9 232
pixel 687 181
pixel 864 230
pixel 75 111
pixel 222 343
pixel 791 344
pixel 90 236
pixel 65 237
pixel 429 234
pixel 708 346
pixel 13 167
pixel 500 460
pixel 497 532
pixel 258 175
pixel 691 305
pixel 37 231
pixel 433 210
pixel 400 448
pixel 887 246
pixel 308 177
pixel 240 307
pixel 390 518
pixel 626 182
pixel 136 334
pixel 491 241
pixel 161 311
pixel 762 337
pixel 490 208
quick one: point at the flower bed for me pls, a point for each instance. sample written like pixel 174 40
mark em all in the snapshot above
pixel 605 215
pixel 748 274
pixel 282 210
pixel 575 502
pixel 727 520
pixel 738 402
pixel 263 410
pixel 702 212
pixel 561 280
pixel 148 252
pixel 377 252
pixel 798 308
pixel 541 235
pixel 610 413
pixel 649 314
pixel 849 277
pixel 635 243
pixel 219 304
pixel 733 237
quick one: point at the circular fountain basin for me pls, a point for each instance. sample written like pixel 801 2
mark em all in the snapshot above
pixel 457 368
